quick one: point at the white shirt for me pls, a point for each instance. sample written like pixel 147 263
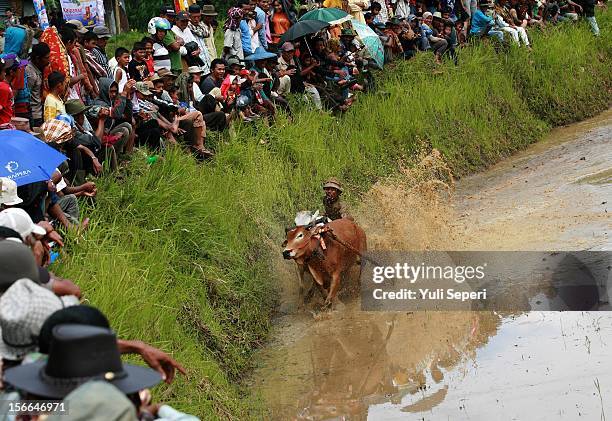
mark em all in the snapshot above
pixel 197 93
pixel 254 35
pixel 233 41
pixel 186 35
pixel 72 91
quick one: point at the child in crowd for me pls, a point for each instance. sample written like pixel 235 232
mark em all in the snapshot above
pixel 120 74
pixel 137 68
pixel 54 104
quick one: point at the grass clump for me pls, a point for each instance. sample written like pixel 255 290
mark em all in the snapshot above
pixel 178 254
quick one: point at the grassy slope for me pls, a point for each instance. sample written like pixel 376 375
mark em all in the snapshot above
pixel 178 253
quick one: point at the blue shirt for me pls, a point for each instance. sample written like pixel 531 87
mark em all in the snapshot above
pixel 261 20
pixel 480 21
pixel 245 36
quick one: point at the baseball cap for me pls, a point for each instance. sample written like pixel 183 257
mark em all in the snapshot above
pixel 102 32
pixel 17 219
pixel 8 192
pixel 182 15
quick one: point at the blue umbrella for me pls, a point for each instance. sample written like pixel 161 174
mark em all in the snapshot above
pixel 25 159
pixel 259 54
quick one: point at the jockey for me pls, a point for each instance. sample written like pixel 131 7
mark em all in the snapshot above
pixel 334 207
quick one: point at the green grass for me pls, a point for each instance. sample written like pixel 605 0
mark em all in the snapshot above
pixel 178 254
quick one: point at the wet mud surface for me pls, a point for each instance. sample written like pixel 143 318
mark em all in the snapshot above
pixel 354 365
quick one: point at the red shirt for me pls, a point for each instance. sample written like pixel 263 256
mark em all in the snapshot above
pixel 6 101
pixel 149 62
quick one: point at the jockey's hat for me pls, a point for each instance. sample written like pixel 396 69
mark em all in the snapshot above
pixel 333 183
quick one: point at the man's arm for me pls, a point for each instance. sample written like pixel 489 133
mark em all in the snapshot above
pixel 155 358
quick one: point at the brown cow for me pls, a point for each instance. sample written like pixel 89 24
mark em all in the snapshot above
pixel 304 245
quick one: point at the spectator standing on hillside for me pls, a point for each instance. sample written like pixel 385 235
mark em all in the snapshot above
pixel 39 60
pixel 191 52
pixel 279 23
pixel 175 46
pixel 261 18
pixel 99 52
pixel 232 38
pixel 209 14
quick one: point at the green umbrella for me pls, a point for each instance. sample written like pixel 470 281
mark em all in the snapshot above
pixel 303 28
pixel 330 15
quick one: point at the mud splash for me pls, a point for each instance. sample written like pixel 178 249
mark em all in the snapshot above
pixel 352 365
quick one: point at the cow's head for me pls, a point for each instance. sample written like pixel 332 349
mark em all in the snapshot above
pixel 296 243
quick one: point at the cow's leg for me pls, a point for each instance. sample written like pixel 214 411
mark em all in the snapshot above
pixel 302 297
pixel 333 287
pixel 319 279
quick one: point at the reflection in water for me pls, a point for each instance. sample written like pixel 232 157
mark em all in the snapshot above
pixel 343 365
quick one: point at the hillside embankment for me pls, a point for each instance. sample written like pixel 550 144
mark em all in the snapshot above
pixel 179 254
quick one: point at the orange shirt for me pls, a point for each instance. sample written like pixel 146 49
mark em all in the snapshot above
pixel 280 25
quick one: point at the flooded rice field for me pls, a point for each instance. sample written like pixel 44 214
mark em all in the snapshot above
pixel 354 365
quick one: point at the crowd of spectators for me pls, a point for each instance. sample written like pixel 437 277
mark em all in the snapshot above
pixel 176 84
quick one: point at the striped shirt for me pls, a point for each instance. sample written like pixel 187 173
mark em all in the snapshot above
pixel 102 60
pixel 161 57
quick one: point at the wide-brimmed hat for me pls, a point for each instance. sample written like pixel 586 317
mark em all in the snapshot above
pixel 80 28
pixel 194 70
pixel 234 60
pixel 8 192
pixel 16 262
pixel 18 219
pixel 74 315
pixel 394 21
pixel 348 32
pixel 209 10
pixel 259 54
pixel 143 88
pixel 437 15
pixel 333 183
pixel 57 131
pixel 163 72
pixel 75 107
pixel 80 354
pixel 102 32
pixel 24 307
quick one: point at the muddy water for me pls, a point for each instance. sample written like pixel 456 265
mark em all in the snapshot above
pixel 352 365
